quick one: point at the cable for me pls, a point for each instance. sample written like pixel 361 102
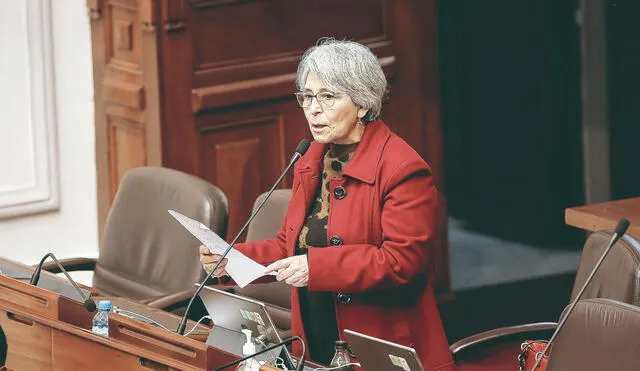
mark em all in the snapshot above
pixel 338 367
pixel 259 341
pixel 276 362
pixel 299 366
pixel 197 323
pixel 137 316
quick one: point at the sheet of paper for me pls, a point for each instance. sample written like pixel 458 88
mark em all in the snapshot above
pixel 242 269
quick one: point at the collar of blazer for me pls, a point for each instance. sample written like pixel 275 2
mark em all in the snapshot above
pixel 364 164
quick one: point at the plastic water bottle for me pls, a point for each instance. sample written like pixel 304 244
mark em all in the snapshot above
pixel 341 359
pixel 101 319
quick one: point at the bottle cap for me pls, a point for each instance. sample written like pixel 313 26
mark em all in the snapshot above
pixel 341 344
pixel 104 305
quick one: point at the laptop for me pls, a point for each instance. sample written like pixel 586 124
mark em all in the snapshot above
pixel 231 314
pixel 382 355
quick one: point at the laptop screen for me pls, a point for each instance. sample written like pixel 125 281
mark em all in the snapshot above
pixel 231 314
pixel 382 355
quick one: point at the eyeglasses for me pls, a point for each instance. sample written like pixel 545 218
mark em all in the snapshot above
pixel 325 99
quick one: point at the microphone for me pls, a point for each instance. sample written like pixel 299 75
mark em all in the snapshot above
pixel 620 230
pixel 288 341
pixel 301 149
pixel 89 304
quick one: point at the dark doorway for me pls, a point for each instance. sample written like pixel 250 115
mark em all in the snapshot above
pixel 510 90
pixel 623 71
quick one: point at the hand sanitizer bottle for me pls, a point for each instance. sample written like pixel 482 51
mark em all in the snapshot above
pixel 248 349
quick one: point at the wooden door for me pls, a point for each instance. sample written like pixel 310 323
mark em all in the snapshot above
pixel 126 95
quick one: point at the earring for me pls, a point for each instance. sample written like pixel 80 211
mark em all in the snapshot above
pixel 359 122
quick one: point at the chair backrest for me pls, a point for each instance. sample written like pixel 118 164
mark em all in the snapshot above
pixel 600 334
pixel 618 277
pixel 269 220
pixel 145 253
pixel 265 225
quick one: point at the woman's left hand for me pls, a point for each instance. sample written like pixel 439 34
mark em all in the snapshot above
pixel 293 270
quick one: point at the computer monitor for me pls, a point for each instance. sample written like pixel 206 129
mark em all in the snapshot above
pixel 382 355
pixel 231 313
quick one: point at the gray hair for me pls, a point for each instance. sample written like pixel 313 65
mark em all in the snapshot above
pixel 349 67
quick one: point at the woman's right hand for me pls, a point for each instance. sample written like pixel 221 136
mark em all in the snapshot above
pixel 209 261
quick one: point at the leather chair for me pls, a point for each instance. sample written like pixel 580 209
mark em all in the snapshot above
pixel 618 278
pixel 600 334
pixel 619 275
pixel 145 254
pixel 276 295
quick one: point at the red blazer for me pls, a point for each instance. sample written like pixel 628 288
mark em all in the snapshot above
pixel 380 229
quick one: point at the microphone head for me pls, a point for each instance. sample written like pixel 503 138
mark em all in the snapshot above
pixel 90 305
pixel 303 146
pixel 622 226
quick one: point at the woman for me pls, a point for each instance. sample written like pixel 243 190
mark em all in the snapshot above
pixel 356 238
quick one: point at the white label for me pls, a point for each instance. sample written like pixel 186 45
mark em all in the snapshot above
pixel 399 362
pixel 252 316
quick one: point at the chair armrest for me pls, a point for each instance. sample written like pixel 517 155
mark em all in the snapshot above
pixel 499 333
pixel 176 300
pixel 171 302
pixel 71 265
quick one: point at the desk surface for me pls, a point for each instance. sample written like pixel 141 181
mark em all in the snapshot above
pixel 60 285
pixel 166 319
pixel 605 215
pixel 46 329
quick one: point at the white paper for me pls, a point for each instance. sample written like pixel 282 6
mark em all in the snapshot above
pixel 242 269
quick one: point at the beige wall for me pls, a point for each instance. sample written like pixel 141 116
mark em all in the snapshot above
pixel 47 159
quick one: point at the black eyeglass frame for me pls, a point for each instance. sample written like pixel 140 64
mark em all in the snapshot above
pixel 301 96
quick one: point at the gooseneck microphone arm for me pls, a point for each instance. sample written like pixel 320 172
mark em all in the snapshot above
pixel 288 341
pixel 88 302
pixel 620 230
pixel 300 150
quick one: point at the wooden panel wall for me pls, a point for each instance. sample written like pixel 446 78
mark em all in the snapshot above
pixel 126 94
pixel 225 83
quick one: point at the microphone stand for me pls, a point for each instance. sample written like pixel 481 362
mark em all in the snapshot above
pixel 89 303
pixel 299 366
pixel 621 228
pixel 296 156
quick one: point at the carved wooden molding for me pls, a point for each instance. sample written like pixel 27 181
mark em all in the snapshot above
pixel 128 95
pixel 240 92
pixel 94 8
pixel 203 4
pixel 175 16
pixel 35 187
pixel 271 87
pixel 123 35
pixel 147 16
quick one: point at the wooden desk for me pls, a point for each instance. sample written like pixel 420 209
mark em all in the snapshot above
pixel 168 320
pixel 47 331
pixel 606 215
